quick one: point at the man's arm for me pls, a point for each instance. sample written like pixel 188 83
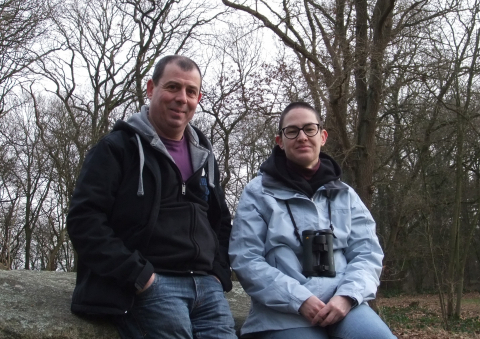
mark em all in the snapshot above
pixel 94 239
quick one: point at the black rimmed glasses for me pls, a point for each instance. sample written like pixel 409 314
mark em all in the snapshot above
pixel 310 130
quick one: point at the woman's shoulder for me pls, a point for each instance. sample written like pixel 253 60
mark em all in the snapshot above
pixel 254 185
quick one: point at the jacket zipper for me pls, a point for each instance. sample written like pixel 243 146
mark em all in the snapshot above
pixel 192 237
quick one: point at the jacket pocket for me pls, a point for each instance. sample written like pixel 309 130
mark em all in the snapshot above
pixel 98 295
pixel 182 239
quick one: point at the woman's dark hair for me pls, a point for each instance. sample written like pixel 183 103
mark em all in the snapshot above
pixel 298 104
pixel 186 64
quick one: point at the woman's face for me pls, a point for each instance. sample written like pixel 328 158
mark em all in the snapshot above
pixel 302 150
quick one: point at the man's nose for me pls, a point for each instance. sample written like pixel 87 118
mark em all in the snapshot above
pixel 182 96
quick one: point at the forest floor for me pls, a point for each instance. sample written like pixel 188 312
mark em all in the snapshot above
pixel 419 316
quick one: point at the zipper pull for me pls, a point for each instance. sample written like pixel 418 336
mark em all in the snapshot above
pixel 184 188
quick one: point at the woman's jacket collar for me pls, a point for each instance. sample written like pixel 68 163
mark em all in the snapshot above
pixel 276 189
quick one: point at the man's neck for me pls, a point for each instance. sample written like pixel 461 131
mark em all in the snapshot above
pixel 170 134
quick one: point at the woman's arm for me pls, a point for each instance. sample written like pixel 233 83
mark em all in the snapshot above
pixel 263 282
pixel 363 254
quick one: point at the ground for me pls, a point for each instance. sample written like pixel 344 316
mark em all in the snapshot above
pixel 419 317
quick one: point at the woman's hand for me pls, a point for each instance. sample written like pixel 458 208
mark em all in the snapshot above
pixel 334 311
pixel 311 307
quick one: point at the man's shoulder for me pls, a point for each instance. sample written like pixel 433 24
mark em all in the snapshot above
pixel 116 142
pixel 118 137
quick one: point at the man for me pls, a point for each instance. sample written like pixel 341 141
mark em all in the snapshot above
pixel 149 221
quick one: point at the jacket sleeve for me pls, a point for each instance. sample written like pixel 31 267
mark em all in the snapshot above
pixel 363 254
pixel 92 236
pixel 221 264
pixel 263 282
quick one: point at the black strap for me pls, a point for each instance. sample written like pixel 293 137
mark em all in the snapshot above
pixel 328 193
pixel 295 228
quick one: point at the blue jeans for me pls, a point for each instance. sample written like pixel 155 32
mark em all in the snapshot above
pixel 183 307
pixel 360 323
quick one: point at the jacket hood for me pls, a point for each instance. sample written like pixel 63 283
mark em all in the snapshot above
pixel 276 167
pixel 199 146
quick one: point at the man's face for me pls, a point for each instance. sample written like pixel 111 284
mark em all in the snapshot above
pixel 173 100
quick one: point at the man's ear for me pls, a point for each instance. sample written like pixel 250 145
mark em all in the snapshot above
pixel 150 86
pixel 199 97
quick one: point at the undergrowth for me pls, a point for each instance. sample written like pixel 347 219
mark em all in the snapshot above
pixel 415 317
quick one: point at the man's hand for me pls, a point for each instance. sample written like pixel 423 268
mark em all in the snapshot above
pixel 148 284
pixel 311 307
pixel 335 310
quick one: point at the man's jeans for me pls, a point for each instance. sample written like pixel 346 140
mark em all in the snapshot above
pixel 360 323
pixel 183 307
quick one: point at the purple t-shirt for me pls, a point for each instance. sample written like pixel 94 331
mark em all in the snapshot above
pixel 180 152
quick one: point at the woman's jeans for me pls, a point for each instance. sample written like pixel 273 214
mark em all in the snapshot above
pixel 183 307
pixel 360 323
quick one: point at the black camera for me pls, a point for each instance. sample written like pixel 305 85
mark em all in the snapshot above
pixel 318 253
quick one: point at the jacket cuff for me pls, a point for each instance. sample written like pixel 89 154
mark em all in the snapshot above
pixel 224 274
pixel 144 276
pixel 298 297
pixel 356 297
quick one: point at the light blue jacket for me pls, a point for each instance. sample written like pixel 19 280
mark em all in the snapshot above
pixel 267 257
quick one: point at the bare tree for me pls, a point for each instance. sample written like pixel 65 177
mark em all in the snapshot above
pixel 108 49
pixel 22 25
pixel 341 49
pixel 31 172
pixel 237 106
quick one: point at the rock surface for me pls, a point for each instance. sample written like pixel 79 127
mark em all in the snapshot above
pixel 36 305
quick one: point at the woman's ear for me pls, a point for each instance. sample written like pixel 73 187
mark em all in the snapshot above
pixel 279 141
pixel 324 136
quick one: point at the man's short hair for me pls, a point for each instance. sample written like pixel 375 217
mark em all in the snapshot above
pixel 298 104
pixel 186 64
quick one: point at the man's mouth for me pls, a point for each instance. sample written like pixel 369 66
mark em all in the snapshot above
pixel 176 110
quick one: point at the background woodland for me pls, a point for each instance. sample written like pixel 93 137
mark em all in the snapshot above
pixel 397 82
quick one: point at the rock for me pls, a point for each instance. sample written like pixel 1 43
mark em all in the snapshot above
pixel 36 305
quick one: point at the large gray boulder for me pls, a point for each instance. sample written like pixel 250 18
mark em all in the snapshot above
pixel 36 305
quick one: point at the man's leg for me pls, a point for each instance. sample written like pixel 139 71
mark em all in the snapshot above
pixel 211 317
pixel 360 323
pixel 161 311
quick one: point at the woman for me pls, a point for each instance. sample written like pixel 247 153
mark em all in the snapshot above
pixel 298 189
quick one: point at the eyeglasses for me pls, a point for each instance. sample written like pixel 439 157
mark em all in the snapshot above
pixel 291 132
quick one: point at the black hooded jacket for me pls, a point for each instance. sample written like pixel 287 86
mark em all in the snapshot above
pixel 132 215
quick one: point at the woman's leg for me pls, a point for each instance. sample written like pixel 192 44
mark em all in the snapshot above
pixel 294 333
pixel 360 323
